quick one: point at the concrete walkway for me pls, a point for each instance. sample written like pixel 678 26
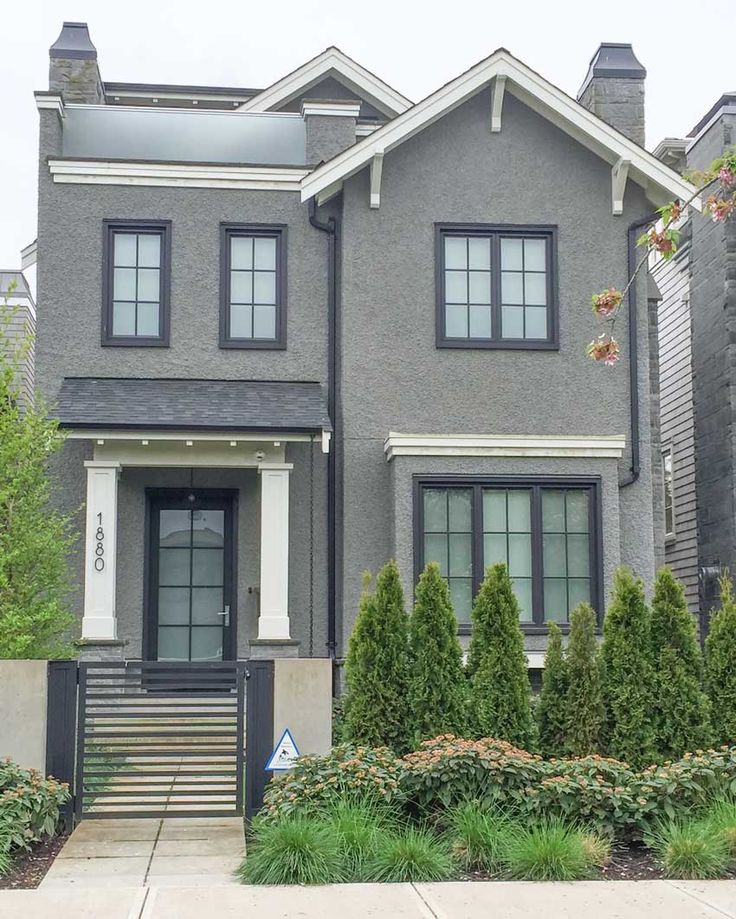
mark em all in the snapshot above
pixel 174 852
pixel 517 900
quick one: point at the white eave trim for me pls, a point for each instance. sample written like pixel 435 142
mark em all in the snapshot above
pixel 332 60
pixel 591 447
pixel 659 181
pixel 50 101
pixel 336 109
pixel 98 172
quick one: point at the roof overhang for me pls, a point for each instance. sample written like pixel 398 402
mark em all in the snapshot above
pixel 331 62
pixel 628 160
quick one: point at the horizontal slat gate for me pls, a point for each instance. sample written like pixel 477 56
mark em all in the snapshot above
pixel 160 739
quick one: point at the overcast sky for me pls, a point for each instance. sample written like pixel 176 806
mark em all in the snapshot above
pixel 414 46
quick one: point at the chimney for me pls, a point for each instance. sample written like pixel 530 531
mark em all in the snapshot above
pixel 613 89
pixel 73 69
pixel 330 127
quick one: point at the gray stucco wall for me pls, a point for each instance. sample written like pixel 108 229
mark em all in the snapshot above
pixel 394 378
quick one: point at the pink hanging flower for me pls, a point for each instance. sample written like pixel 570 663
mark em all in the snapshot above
pixel 727 176
pixel 604 349
pixel 719 208
pixel 607 302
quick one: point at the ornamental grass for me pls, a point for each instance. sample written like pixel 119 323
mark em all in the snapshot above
pixel 294 850
pixel 688 848
pixel 411 854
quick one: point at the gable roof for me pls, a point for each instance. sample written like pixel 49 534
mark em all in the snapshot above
pixel 331 62
pixel 659 181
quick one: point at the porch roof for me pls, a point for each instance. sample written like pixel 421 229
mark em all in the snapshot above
pixel 97 403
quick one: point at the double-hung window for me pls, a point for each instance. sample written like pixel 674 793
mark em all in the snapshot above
pixel 253 287
pixel 543 530
pixel 136 268
pixel 496 286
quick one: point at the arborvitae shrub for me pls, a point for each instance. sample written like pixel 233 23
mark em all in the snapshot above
pixel 584 704
pixel 437 687
pixel 550 710
pixel 500 692
pixel 376 707
pixel 681 710
pixel 720 659
pixel 627 673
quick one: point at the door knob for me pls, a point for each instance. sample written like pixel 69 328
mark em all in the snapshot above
pixel 226 616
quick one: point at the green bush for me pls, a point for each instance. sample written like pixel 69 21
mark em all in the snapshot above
pixel 627 673
pixel 294 850
pixel 584 704
pixel 411 855
pixel 550 710
pixel 478 836
pixel 720 660
pixel 500 690
pixel 688 848
pixel 680 708
pixel 437 687
pixel 549 850
pixel 345 774
pixel 376 703
pixel 29 808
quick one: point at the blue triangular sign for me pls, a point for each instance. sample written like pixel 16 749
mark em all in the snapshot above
pixel 284 754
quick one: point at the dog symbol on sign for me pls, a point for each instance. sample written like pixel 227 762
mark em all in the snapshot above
pixel 284 754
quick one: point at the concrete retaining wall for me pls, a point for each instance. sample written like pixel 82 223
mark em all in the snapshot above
pixel 23 701
pixel 302 702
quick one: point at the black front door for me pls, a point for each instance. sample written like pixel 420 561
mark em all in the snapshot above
pixel 190 601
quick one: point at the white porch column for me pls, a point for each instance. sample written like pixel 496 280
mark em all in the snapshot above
pixel 273 622
pixel 99 620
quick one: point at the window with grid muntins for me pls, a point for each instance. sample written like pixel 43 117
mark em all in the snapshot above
pixel 495 287
pixel 544 532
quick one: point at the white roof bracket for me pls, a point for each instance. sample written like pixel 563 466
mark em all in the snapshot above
pixel 376 172
pixel 619 175
pixel 497 90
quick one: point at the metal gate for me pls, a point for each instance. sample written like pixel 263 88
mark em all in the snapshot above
pixel 159 739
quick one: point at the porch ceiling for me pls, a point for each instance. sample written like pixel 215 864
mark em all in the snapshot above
pixel 104 403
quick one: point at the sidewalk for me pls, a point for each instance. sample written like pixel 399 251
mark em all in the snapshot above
pixel 507 900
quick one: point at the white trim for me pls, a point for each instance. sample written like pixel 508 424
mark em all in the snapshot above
pixel 55 103
pixel 200 97
pixel 619 175
pixel 365 130
pixel 101 435
pixel 100 550
pixel 659 181
pixel 497 91
pixel 29 255
pixel 598 447
pixel 376 171
pixel 337 109
pixel 99 172
pixel 349 72
pixel 273 616
pixel 152 110
pixel 535 660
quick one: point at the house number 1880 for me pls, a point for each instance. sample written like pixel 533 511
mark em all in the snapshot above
pixel 100 547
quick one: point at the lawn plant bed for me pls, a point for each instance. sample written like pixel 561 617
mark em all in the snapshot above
pixel 28 869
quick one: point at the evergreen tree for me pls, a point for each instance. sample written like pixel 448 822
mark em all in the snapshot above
pixel 500 692
pixel 627 674
pixel 35 539
pixel 583 705
pixel 681 708
pixel 377 668
pixel 550 710
pixel 720 662
pixel 437 683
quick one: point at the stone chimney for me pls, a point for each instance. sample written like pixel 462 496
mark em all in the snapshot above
pixel 73 69
pixel 613 89
pixel 330 127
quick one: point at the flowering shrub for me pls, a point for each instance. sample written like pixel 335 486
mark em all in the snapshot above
pixel 447 770
pixel 29 806
pixel 604 348
pixel 607 302
pixel 346 773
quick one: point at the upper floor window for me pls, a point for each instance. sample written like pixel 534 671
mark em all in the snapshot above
pixel 496 287
pixel 136 270
pixel 544 532
pixel 669 493
pixel 253 287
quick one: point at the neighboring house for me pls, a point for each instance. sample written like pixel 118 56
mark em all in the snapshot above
pixel 19 312
pixel 697 382
pixel 292 340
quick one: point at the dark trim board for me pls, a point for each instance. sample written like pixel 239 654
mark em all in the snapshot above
pixel 593 483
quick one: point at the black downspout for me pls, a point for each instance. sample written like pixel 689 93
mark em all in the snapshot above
pixel 330 227
pixel 633 234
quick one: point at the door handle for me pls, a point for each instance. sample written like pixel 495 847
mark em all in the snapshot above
pixel 226 614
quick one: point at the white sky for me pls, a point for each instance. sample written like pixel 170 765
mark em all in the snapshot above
pixel 414 46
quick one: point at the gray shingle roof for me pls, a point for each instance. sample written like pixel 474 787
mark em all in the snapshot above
pixel 233 405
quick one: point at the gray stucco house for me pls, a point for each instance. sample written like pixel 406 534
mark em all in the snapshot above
pixel 293 332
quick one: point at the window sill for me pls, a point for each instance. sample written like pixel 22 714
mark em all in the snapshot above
pixel 510 345
pixel 135 343
pixel 531 629
pixel 234 345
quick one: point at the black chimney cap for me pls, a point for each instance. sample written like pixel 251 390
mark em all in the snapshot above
pixel 74 43
pixel 616 61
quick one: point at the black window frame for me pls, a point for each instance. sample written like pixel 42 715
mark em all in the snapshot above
pixel 536 484
pixel 273 230
pixel 109 228
pixel 670 536
pixel 495 231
